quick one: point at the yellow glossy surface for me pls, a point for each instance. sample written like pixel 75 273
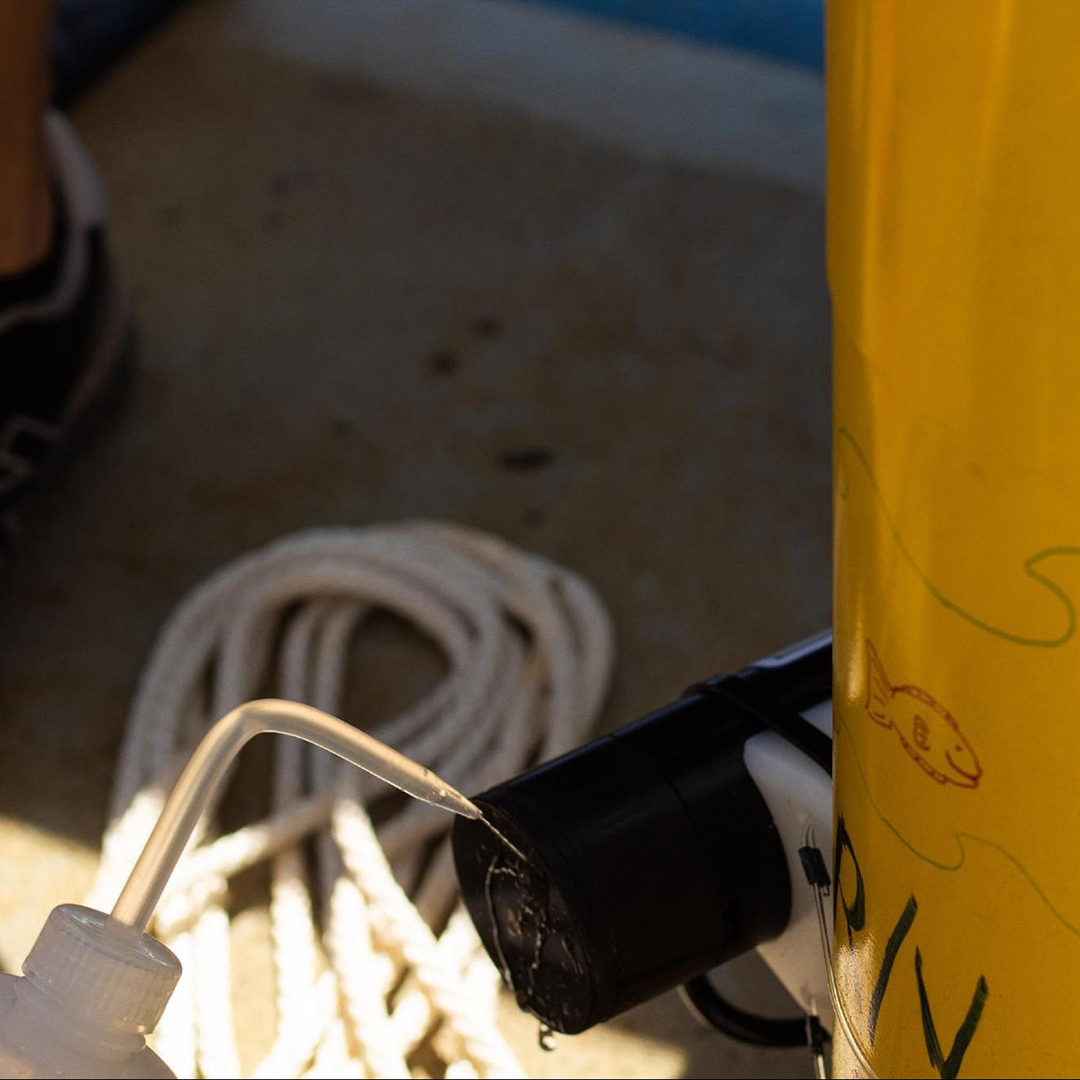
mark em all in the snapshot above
pixel 954 262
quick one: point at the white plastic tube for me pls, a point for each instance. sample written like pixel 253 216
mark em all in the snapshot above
pixel 208 765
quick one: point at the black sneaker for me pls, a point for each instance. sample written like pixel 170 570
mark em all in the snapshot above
pixel 64 329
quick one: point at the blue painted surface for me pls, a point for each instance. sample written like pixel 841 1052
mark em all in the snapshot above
pixel 91 34
pixel 788 30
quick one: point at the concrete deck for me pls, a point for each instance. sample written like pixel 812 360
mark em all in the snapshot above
pixel 362 279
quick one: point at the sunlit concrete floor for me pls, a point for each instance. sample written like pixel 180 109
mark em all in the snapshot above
pixel 363 282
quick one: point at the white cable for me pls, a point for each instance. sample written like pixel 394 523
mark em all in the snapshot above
pixel 528 651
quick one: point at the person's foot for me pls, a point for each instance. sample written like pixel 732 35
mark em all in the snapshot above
pixel 64 329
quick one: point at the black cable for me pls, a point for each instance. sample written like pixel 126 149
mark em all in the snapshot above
pixel 736 691
pixel 705 1001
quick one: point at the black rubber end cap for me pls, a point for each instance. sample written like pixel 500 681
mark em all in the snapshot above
pixel 525 923
pixel 650 857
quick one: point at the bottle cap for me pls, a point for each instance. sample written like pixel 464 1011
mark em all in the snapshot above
pixel 101 970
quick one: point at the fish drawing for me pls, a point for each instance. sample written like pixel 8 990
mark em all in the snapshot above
pixel 927 731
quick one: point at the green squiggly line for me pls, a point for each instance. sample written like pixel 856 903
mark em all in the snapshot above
pixel 959 837
pixel 1029 568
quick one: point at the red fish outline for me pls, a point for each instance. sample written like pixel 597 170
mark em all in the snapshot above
pixel 880 693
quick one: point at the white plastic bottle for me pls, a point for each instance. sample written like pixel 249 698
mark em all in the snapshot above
pixel 92 988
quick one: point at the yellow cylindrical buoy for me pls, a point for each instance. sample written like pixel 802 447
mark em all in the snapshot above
pixel 954 263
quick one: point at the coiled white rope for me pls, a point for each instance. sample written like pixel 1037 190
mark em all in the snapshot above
pixel 361 977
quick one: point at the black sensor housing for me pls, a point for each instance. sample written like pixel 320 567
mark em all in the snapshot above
pixel 650 856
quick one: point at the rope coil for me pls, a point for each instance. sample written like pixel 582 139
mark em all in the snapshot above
pixel 361 978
